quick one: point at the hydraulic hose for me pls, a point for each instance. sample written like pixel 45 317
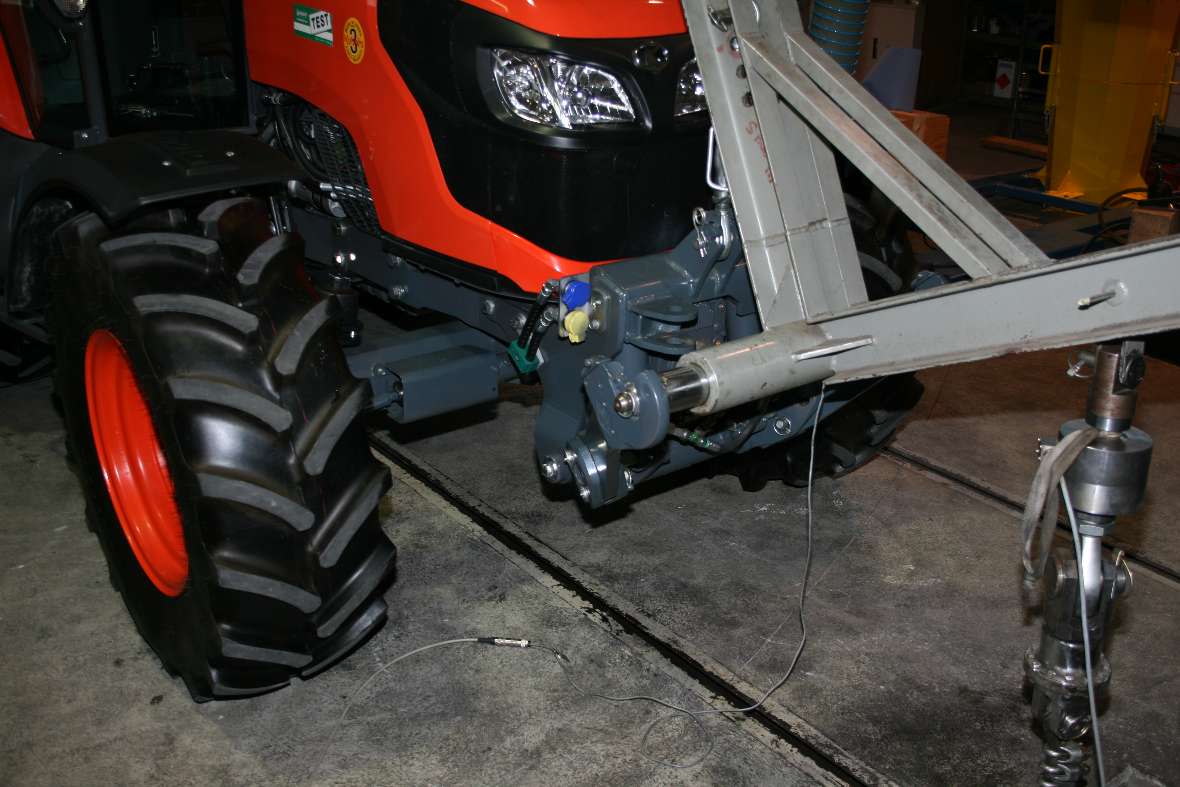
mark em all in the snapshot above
pixel 548 317
pixel 529 328
pixel 838 26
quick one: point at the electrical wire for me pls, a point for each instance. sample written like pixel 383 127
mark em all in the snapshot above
pixel 694 715
pixel 1110 201
pixel 1106 234
pixel 386 666
pixel 1077 545
pixel 644 749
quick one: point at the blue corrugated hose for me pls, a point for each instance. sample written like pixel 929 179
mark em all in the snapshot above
pixel 838 26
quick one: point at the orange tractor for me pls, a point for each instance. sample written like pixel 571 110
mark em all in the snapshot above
pixel 242 226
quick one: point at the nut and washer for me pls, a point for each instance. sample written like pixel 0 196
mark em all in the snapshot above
pixel 627 403
pixel 551 469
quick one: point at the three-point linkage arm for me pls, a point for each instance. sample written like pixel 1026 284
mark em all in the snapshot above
pixel 780 106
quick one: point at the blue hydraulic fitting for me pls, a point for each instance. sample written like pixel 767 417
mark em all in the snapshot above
pixel 576 295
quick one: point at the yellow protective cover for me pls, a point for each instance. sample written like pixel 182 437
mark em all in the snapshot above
pixel 1111 77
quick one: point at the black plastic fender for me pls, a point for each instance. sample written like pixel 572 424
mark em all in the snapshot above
pixel 119 178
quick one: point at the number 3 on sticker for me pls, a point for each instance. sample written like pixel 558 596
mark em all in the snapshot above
pixel 354 41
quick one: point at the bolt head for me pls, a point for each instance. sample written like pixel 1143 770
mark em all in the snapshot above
pixel 782 427
pixel 489 307
pixel 551 469
pixel 230 154
pixel 1043 447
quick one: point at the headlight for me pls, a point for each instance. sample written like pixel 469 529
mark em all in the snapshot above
pixel 72 8
pixel 690 91
pixel 559 93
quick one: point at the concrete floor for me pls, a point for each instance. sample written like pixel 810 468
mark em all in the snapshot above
pixel 917 634
pixel 954 429
pixel 966 156
pixel 913 664
pixel 84 702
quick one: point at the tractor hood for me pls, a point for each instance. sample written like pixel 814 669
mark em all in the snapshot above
pixel 597 19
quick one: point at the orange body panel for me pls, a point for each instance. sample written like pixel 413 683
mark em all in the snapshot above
pixel 373 102
pixel 12 108
pixel 592 18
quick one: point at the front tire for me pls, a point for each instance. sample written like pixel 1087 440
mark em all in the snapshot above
pixel 278 563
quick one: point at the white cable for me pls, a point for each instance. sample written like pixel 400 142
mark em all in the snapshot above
pixel 695 715
pixel 385 667
pixel 1077 546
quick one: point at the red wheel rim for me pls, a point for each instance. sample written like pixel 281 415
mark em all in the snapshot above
pixel 133 465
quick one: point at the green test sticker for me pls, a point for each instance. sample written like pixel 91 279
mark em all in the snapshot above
pixel 314 24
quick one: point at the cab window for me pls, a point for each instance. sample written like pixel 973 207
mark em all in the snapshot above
pixel 172 64
pixel 45 59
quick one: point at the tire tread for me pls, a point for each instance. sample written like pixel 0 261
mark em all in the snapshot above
pixel 292 561
pixel 231 397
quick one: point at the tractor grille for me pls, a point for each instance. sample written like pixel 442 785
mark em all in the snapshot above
pixel 340 162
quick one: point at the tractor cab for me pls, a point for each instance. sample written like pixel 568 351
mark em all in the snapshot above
pixel 89 71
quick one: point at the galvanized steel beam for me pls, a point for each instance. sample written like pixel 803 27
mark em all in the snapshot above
pixel 782 178
pixel 777 102
pixel 773 95
pixel 1124 292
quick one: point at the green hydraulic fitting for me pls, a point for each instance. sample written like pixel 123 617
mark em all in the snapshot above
pixel 702 441
pixel 520 359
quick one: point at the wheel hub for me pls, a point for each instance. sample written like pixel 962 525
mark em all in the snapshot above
pixel 133 465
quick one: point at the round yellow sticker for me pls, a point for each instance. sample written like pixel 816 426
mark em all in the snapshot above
pixel 354 40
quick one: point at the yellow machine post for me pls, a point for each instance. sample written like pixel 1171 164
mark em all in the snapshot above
pixel 1111 77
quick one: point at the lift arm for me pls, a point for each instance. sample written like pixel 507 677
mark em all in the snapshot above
pixel 778 102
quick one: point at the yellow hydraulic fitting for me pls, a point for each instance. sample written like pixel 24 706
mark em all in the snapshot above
pixel 576 324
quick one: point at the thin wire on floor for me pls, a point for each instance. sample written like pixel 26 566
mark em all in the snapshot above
pixel 694 715
pixel 1077 546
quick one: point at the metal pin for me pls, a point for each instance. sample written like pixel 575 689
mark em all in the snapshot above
pixel 834 347
pixel 1094 300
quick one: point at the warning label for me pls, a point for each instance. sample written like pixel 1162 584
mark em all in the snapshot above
pixel 354 41
pixel 314 24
